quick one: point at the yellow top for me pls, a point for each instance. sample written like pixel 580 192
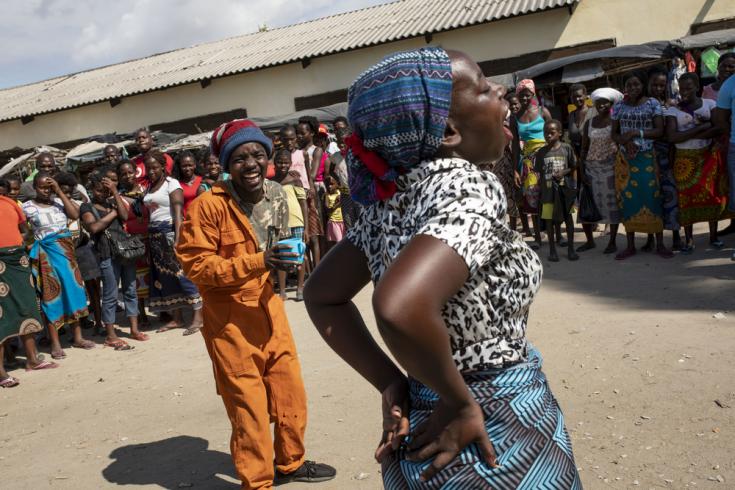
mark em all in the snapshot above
pixel 334 207
pixel 294 194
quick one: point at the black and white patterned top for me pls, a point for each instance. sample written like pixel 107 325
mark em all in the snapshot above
pixel 465 207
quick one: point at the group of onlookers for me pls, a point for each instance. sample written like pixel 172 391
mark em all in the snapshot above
pixel 640 156
pixel 83 253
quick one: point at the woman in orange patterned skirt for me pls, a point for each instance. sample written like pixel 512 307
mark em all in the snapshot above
pixel 698 169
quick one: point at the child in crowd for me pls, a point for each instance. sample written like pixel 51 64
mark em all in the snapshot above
pixel 4 188
pixel 333 206
pixel 556 165
pixel 13 187
pixel 296 197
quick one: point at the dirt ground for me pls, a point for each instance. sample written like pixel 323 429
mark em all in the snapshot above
pixel 636 353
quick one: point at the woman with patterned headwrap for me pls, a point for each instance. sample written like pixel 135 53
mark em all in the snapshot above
pixel 531 119
pixel 453 285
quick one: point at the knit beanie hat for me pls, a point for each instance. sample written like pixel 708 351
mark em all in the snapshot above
pixel 230 135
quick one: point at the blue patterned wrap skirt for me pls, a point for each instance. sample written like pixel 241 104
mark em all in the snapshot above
pixel 524 423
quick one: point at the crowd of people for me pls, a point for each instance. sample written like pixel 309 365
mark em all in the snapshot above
pixel 93 250
pixel 426 183
pixel 639 155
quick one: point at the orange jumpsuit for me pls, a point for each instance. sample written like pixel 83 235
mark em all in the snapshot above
pixel 246 331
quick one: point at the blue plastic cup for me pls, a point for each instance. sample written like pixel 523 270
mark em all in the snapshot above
pixel 295 245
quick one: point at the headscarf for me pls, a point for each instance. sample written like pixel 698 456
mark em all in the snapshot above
pixel 230 135
pixel 606 93
pixel 398 110
pixel 526 84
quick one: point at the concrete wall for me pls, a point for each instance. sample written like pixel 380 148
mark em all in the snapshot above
pixel 271 91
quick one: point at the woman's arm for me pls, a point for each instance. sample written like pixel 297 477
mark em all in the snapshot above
pixel 316 160
pixel 94 225
pixel 673 135
pixel 176 199
pixel 328 297
pixel 305 215
pixel 657 131
pixel 70 207
pixel 545 114
pixel 585 149
pixel 409 317
pixel 121 205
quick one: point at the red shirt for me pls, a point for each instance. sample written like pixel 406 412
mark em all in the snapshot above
pixel 190 190
pixel 10 217
pixel 140 176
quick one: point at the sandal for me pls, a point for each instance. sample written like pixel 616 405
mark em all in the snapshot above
pixel 686 249
pixel 610 249
pixel 586 246
pixel 43 365
pixel 170 326
pixel 717 244
pixel 625 254
pixel 118 344
pixel 191 330
pixel 139 336
pixel 86 345
pixel 9 382
pixel 58 355
pixel 666 253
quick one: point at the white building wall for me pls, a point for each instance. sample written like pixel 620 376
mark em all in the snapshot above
pixel 272 91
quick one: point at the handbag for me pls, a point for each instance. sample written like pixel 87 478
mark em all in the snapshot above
pixel 588 212
pixel 123 246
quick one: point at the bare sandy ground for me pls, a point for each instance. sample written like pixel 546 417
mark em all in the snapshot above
pixel 641 368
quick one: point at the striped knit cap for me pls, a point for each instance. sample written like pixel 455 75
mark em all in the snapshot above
pixel 398 110
pixel 228 136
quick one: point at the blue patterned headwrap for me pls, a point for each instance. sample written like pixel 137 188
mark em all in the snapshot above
pixel 398 110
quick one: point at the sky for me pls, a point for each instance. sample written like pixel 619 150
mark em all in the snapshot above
pixel 42 39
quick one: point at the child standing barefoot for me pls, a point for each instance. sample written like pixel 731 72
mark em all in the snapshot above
pixel 556 165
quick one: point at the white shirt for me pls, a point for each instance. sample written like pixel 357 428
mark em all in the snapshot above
pixel 45 220
pixel 158 203
pixel 685 122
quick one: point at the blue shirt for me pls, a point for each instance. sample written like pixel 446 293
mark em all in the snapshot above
pixel 726 101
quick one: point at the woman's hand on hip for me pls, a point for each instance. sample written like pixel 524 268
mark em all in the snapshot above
pixel 446 433
pixel 395 418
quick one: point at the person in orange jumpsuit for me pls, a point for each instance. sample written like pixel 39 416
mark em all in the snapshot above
pixel 224 249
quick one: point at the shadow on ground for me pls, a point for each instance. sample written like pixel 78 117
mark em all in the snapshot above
pixel 704 280
pixel 177 462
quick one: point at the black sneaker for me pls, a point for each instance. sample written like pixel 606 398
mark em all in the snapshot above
pixel 309 472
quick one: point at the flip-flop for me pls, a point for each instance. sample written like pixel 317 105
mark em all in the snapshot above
pixel 717 244
pixel 58 356
pixel 43 365
pixel 86 345
pixel 610 249
pixel 586 246
pixel 191 330
pixel 118 344
pixel 140 337
pixel 9 382
pixel 625 254
pixel 166 329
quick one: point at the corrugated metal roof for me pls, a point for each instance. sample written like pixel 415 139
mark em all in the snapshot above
pixel 338 33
